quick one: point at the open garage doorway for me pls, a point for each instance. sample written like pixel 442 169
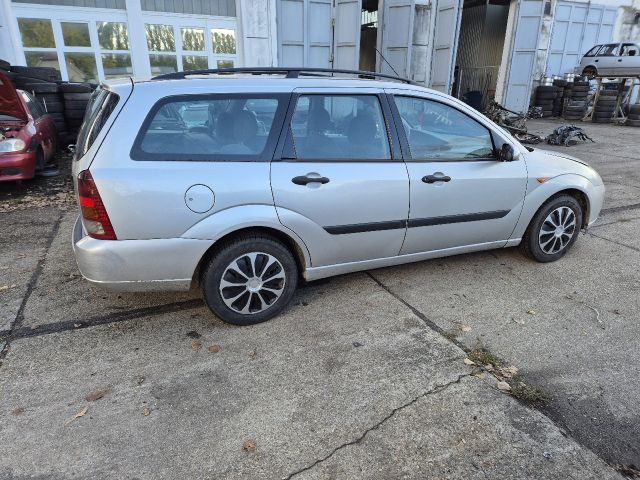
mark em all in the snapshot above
pixel 368 35
pixel 480 49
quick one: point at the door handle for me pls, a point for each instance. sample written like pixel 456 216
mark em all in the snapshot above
pixel 619 59
pixel 304 179
pixel 434 179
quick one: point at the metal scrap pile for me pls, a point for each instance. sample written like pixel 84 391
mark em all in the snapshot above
pixel 567 135
pixel 514 122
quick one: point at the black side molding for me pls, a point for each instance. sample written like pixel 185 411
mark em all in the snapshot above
pixel 466 217
pixel 366 227
pixel 415 222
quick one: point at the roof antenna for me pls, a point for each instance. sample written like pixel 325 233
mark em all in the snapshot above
pixel 390 66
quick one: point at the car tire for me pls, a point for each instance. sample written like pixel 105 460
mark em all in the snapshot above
pixel 561 210
pixel 634 109
pixel 234 263
pixel 632 123
pixel 633 116
pixel 75 88
pixel 546 95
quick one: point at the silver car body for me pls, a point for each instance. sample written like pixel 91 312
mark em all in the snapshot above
pixel 612 59
pixel 161 242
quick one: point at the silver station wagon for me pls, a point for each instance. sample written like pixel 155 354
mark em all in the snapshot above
pixel 612 59
pixel 244 182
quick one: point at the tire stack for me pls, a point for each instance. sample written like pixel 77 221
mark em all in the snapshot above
pixel 545 97
pixel 605 106
pixel 558 102
pixel 633 117
pixel 576 92
pixel 48 95
pixel 76 96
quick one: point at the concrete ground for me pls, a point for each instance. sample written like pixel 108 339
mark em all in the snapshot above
pixel 362 377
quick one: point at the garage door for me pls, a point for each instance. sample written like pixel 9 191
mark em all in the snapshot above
pixel 319 33
pixel 576 28
pixel 525 43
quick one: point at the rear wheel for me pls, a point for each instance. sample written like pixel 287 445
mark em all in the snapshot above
pixel 249 280
pixel 553 230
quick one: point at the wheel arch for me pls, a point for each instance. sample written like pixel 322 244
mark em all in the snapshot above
pixel 298 251
pixel 573 185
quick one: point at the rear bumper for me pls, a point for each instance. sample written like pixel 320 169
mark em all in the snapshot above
pixel 17 166
pixel 137 265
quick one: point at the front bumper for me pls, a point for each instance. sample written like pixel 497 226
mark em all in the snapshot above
pixel 17 166
pixel 596 199
pixel 138 265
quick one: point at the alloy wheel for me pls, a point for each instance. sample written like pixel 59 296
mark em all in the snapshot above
pixel 557 230
pixel 252 283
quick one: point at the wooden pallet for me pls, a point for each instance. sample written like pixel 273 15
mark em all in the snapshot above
pixel 622 98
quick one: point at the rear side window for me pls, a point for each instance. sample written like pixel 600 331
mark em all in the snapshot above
pixel 221 127
pixel 338 127
pixel 99 109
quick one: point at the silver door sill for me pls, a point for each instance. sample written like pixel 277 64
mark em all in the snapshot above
pixel 316 273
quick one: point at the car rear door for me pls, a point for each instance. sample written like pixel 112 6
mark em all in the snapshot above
pixel 628 62
pixel 338 179
pixel 461 194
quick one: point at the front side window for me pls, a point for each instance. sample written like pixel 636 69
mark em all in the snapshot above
pixel 610 50
pixel 34 107
pixel 210 127
pixel 338 127
pixel 438 132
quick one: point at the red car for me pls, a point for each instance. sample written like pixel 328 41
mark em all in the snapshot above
pixel 27 134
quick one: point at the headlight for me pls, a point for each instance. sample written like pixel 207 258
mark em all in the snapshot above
pixel 12 145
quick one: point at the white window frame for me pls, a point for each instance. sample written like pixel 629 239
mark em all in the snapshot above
pixel 179 21
pixel 57 15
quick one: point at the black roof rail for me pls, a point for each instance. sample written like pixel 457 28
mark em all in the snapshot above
pixel 288 72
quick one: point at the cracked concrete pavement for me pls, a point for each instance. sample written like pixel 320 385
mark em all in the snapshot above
pixel 359 378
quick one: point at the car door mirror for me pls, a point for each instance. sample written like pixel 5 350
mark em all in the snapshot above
pixel 506 153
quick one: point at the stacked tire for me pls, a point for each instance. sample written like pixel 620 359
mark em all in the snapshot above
pixel 633 117
pixel 545 97
pixel 605 106
pixel 580 90
pixel 558 102
pixel 576 92
pixel 76 96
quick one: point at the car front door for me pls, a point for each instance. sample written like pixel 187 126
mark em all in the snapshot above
pixel 337 177
pixel 461 194
pixel 607 59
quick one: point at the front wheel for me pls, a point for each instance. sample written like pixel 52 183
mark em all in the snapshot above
pixel 553 229
pixel 590 73
pixel 249 280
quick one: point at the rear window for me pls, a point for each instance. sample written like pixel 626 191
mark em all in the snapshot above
pixel 99 109
pixel 220 127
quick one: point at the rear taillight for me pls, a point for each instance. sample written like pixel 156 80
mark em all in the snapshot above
pixel 94 215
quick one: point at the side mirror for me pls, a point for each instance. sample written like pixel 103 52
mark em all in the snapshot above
pixel 506 153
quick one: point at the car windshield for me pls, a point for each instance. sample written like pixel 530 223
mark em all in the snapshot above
pixel 593 51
